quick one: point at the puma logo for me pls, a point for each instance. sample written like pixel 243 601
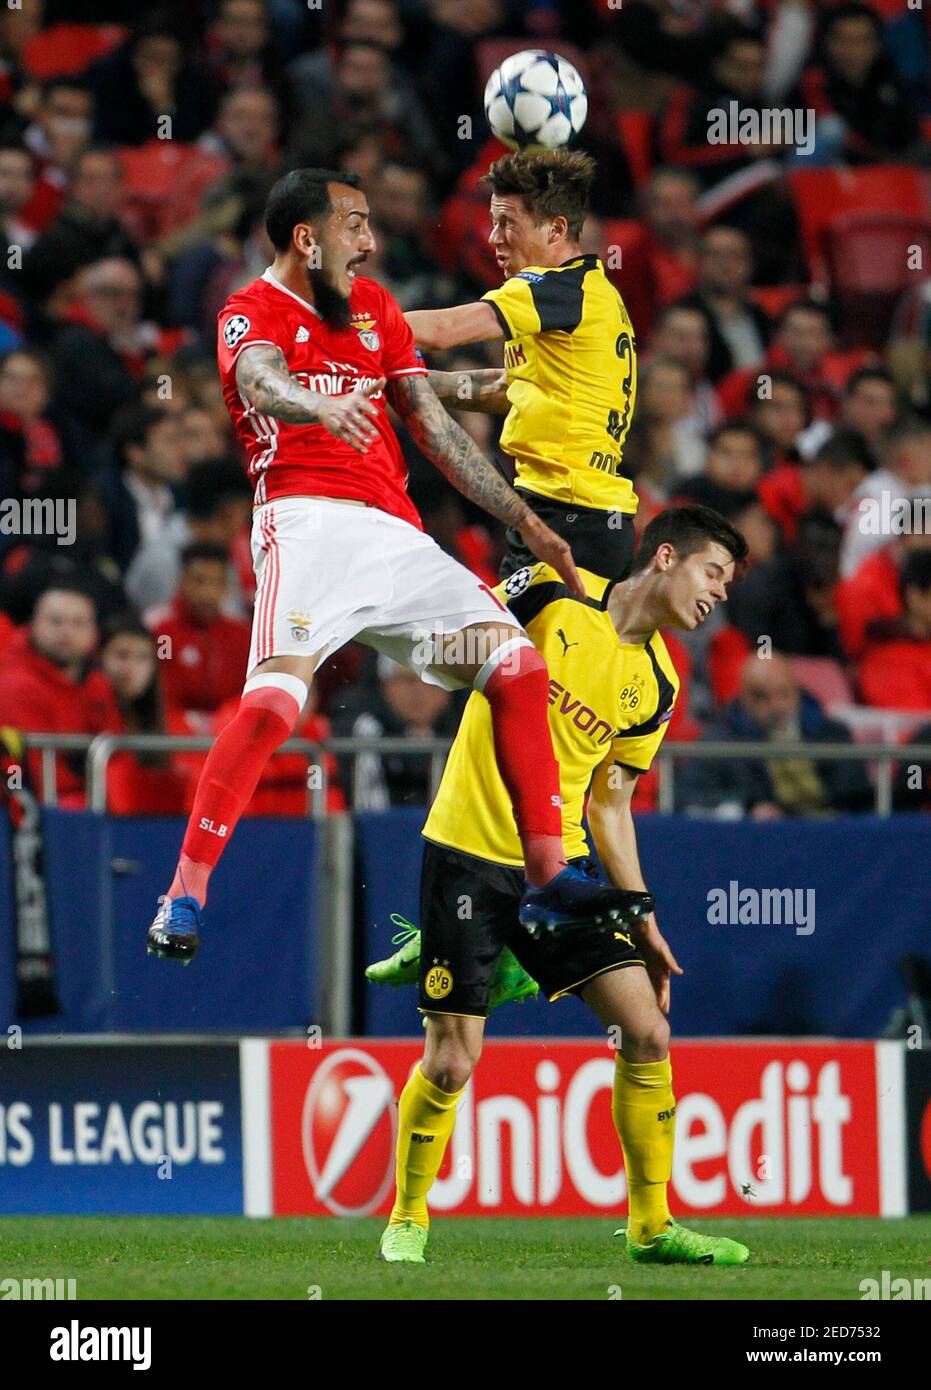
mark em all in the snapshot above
pixel 565 645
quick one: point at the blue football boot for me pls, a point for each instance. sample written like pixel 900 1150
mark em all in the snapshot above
pixel 174 934
pixel 577 898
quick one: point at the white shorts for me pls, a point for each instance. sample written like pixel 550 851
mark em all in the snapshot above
pixel 328 572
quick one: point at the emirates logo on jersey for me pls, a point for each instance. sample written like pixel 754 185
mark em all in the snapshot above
pixel 341 377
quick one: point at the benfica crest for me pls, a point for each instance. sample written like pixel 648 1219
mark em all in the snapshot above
pixel 367 334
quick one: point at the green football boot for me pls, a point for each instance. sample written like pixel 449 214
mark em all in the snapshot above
pixel 677 1245
pixel 510 982
pixel 402 967
pixel 403 1243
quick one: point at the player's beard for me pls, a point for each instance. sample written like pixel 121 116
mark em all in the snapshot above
pixel 332 306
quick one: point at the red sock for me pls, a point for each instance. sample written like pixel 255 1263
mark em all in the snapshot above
pixel 265 719
pixel 517 691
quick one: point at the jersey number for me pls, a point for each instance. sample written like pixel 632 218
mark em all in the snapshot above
pixel 618 420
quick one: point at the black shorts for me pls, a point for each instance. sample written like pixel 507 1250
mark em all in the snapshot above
pixel 468 914
pixel 602 542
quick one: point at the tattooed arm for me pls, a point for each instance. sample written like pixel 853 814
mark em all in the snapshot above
pixel 484 390
pixel 446 444
pixel 263 378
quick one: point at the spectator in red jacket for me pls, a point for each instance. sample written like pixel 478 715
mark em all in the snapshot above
pixel 871 598
pixel 61 128
pixel 140 784
pixel 30 445
pixel 780 410
pixel 206 653
pixel 825 483
pixel 804 344
pixel 895 670
pixel 682 334
pixel 869 406
pixel 856 87
pixel 50 684
pixel 734 466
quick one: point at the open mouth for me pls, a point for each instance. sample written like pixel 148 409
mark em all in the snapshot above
pixel 703 609
pixel 353 266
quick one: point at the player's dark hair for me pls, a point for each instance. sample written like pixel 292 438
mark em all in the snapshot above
pixel 212 484
pixel 131 425
pixel 204 550
pixel 550 183
pixel 64 82
pixel 738 425
pixel 145 713
pixel 845 449
pixel 782 377
pixel 837 14
pixel 862 374
pixel 303 195
pixel 907 429
pixel 688 529
pixel 807 306
pixel 916 571
pixel 66 585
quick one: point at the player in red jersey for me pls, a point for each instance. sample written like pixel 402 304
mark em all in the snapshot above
pixel 311 355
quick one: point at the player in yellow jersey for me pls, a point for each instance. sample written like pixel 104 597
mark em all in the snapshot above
pixel 612 691
pixel 570 361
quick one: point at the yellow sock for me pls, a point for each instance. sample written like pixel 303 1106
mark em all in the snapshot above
pixel 643 1108
pixel 426 1119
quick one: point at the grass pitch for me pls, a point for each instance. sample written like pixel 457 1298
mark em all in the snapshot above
pixel 235 1258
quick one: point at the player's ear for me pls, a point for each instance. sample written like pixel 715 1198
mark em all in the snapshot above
pixel 305 241
pixel 558 228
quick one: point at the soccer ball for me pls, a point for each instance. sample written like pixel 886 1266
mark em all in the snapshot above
pixel 536 99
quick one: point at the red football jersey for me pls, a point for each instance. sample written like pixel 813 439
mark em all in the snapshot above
pixel 287 460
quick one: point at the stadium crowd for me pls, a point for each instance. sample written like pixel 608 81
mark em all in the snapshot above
pixel 779 292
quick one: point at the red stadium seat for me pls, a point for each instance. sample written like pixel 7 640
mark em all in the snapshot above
pixel 68 49
pixel 626 255
pixel 774 299
pixel 825 679
pixel 164 181
pixel 871 262
pixel 635 132
pixel 821 195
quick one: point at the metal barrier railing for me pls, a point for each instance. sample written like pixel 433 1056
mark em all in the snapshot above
pixel 100 750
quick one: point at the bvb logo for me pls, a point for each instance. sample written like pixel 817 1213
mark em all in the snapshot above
pixel 439 982
pixel 631 695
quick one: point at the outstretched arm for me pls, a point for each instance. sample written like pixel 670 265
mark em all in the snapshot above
pixel 483 390
pixel 446 444
pixel 263 378
pixel 446 328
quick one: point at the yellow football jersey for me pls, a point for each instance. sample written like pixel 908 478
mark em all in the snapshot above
pixel 607 699
pixel 571 364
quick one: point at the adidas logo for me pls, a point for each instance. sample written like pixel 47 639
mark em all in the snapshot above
pixel 302 335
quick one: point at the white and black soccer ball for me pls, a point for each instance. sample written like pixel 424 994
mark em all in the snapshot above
pixel 536 99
